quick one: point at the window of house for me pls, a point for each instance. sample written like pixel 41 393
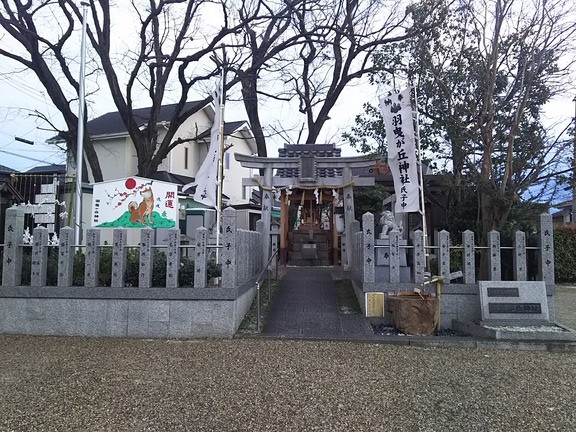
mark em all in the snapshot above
pixel 185 157
pixel 227 160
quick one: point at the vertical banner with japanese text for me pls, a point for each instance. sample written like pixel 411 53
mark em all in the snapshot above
pixel 402 159
pixel 206 180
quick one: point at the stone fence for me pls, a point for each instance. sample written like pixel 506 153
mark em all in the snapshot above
pixel 142 311
pixel 370 274
pixel 365 248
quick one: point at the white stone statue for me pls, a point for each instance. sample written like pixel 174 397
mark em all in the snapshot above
pixel 388 223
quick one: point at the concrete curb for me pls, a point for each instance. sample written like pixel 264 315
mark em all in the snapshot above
pixel 435 342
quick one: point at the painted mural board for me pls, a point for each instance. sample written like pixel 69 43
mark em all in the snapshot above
pixel 134 202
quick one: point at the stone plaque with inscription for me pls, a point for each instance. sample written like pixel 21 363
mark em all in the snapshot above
pixel 514 301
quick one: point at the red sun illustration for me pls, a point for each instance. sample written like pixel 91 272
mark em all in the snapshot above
pixel 130 183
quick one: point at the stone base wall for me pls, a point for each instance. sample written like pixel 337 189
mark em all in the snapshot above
pixel 141 313
pixel 459 302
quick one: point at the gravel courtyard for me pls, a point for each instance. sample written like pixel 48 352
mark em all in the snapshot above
pixel 82 384
pixel 78 384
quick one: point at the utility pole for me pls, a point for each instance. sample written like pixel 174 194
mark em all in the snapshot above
pixel 573 209
pixel 80 136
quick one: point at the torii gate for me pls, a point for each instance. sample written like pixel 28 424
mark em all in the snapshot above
pixel 304 172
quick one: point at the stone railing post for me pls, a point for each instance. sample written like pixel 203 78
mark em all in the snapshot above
pixel 260 227
pixel 39 257
pixel 274 263
pixel 494 256
pixel 173 258
pixel 469 257
pixel 419 256
pixel 92 262
pixel 368 252
pixel 520 265
pixel 394 237
pixel 66 257
pixel 229 248
pixel 146 258
pixel 546 249
pixel 245 254
pixel 444 255
pixel 201 258
pixel 13 232
pixel 119 256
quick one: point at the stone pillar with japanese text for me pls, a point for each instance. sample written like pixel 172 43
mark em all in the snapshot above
pixel 267 202
pixel 546 249
pixel 348 192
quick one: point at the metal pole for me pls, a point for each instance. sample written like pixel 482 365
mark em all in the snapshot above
pixel 574 169
pixel 268 271
pixel 421 179
pixel 258 306
pixel 221 158
pixel 80 136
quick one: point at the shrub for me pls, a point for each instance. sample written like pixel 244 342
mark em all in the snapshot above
pixel 132 275
pixel 186 273
pixel 564 253
pixel 78 272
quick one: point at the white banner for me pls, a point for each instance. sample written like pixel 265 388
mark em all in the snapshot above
pixel 402 159
pixel 206 179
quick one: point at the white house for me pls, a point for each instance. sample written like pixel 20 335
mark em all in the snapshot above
pixel 117 154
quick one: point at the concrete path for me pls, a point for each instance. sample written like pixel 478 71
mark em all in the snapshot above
pixel 306 307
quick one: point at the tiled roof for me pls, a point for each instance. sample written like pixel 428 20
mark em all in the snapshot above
pixel 111 123
pixel 318 150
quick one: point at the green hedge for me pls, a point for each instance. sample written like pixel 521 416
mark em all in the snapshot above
pixel 185 276
pixel 565 253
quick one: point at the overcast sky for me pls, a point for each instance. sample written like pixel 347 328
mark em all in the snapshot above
pixel 21 94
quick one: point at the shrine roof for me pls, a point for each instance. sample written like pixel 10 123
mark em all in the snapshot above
pixel 319 150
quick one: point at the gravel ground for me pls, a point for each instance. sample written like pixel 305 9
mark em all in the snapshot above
pixel 81 384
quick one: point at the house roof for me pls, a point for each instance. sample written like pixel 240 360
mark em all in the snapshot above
pixel 168 177
pixel 229 128
pixel 6 170
pixel 48 169
pixel 111 123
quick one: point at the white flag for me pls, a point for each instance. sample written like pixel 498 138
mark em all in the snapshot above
pixel 397 113
pixel 206 179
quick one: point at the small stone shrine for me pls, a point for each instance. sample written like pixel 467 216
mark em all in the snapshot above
pixel 313 183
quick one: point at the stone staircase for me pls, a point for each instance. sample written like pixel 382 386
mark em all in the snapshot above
pixel 309 247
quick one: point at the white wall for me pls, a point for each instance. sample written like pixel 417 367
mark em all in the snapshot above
pixel 234 175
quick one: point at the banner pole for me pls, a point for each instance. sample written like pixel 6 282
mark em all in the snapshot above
pixel 421 179
pixel 221 156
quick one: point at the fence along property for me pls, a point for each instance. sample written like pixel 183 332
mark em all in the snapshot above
pixel 142 311
pixel 460 301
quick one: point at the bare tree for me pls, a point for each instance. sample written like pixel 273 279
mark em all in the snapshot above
pixel 312 49
pixel 171 57
pixel 44 52
pixel 341 40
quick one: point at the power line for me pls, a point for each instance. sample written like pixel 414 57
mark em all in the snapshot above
pixel 28 157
